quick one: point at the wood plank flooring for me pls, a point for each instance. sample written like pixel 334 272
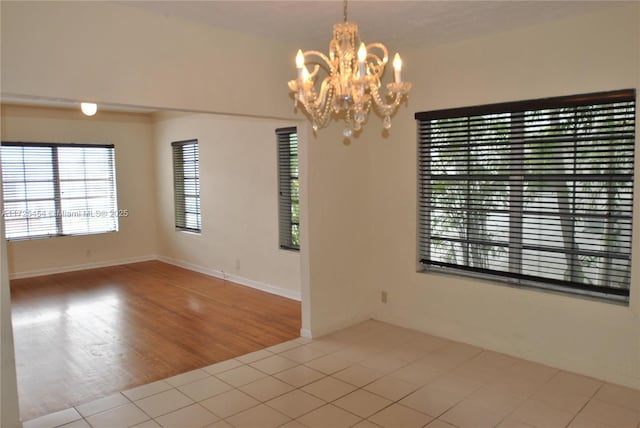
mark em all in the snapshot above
pixel 84 335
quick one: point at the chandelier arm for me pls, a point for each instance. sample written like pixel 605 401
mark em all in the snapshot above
pixel 376 64
pixel 386 109
pixel 322 100
pixel 320 112
pixel 322 56
pixel 376 68
pixel 383 48
pixel 319 106
pixel 314 73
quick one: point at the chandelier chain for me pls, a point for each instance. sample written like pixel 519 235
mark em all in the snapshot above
pixel 344 10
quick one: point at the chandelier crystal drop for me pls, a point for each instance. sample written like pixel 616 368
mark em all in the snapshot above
pixel 352 83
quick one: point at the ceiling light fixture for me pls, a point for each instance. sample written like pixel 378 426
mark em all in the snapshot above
pixel 89 109
pixel 354 73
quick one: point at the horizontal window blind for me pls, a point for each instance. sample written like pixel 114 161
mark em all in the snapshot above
pixel 58 189
pixel 536 192
pixel 186 174
pixel 288 188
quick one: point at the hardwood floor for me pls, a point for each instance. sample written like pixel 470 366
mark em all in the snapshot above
pixel 84 335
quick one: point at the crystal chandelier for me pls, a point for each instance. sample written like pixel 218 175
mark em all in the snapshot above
pixel 352 83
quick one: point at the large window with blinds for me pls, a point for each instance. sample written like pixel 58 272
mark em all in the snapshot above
pixel 58 190
pixel 288 188
pixel 186 185
pixel 537 193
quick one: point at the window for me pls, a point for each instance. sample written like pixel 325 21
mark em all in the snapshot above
pixel 186 185
pixel 288 188
pixel 537 193
pixel 58 189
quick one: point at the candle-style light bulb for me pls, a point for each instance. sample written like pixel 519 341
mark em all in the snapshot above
pixel 362 57
pixel 303 74
pixel 397 67
pixel 362 52
pixel 299 59
pixel 299 63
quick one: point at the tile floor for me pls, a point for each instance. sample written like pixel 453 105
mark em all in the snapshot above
pixel 369 375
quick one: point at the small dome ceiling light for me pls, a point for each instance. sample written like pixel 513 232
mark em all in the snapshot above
pixel 89 109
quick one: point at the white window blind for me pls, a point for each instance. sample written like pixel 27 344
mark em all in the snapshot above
pixel 58 189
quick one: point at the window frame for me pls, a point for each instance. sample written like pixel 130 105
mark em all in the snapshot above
pixel 515 109
pixel 112 211
pixel 179 192
pixel 287 149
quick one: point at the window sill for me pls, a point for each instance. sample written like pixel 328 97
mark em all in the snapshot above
pixel 71 235
pixel 190 232
pixel 528 286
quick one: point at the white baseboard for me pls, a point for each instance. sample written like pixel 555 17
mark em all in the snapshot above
pixel 191 266
pixel 295 295
pixel 316 332
pixel 62 269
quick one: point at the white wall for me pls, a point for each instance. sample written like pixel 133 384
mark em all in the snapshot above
pixel 238 197
pixel 109 52
pixel 593 53
pixel 132 136
pixel 338 230
pixel 9 407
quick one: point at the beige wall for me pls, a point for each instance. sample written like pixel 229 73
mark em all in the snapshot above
pixel 338 230
pixel 361 198
pixel 238 197
pixel 132 136
pixel 9 408
pixel 108 52
pixel 593 53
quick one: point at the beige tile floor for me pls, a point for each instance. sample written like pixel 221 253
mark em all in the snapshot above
pixel 369 375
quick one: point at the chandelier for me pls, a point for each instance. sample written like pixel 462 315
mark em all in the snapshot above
pixel 353 81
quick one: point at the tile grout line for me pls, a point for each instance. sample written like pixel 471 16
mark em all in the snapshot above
pixel 585 404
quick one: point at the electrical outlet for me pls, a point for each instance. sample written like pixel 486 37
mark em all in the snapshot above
pixel 237 264
pixel 383 297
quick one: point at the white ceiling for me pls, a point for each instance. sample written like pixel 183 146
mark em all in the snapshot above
pixel 397 24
